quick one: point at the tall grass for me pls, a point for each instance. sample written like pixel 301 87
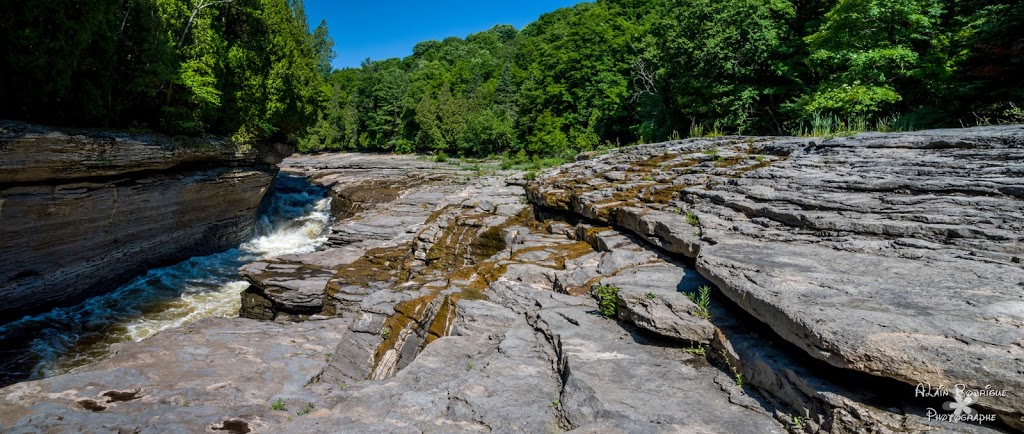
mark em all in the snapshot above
pixel 829 126
pixel 700 130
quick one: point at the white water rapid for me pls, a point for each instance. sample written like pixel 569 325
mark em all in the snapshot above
pixel 57 341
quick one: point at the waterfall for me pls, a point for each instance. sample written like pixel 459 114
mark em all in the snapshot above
pixel 297 221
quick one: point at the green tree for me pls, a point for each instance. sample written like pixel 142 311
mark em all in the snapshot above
pixel 723 61
pixel 248 68
pixel 869 54
pixel 989 57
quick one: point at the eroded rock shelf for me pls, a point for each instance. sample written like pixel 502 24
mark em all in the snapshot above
pixel 844 272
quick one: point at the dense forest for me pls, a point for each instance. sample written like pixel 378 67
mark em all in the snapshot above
pixel 251 69
pixel 615 72
pixel 606 73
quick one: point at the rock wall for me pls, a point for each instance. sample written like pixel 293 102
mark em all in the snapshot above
pixel 83 211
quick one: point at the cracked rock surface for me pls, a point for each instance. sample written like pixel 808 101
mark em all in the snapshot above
pixel 897 255
pixel 841 273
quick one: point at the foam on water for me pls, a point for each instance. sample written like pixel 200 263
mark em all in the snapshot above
pixel 55 342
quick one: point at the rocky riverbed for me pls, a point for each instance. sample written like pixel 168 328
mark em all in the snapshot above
pixel 852 284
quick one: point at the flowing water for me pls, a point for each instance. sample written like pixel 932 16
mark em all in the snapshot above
pixel 55 342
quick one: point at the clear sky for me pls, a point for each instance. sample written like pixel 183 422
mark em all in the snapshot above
pixel 380 29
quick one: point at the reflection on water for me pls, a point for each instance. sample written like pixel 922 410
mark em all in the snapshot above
pixel 208 286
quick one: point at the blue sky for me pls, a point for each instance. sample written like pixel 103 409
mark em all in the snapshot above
pixel 382 29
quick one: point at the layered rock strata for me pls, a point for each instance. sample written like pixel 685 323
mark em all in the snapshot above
pixel 450 304
pixel 84 211
pixel 896 255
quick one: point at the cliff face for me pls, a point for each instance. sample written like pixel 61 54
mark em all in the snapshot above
pixel 81 212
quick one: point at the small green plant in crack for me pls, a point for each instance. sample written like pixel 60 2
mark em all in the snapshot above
pixel 696 349
pixel 647 178
pixel 307 410
pixel 759 158
pixel 737 375
pixel 530 176
pixel 342 385
pixel 607 299
pixel 385 332
pixel 652 296
pixel 702 298
pixel 328 356
pixel 470 365
pixel 692 219
pixel 798 422
pixel 555 403
pixel 278 405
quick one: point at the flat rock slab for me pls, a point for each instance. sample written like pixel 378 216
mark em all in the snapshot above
pixel 494 374
pixel 936 323
pixel 655 298
pixel 283 287
pixel 214 373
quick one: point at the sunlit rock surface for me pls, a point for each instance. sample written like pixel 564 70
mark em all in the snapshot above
pixel 841 272
pixel 897 255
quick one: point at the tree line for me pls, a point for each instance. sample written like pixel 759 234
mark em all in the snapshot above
pixel 615 72
pixel 251 69
pixel 604 73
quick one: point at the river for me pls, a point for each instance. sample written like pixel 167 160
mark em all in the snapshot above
pixel 55 342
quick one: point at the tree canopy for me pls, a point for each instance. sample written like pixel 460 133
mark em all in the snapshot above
pixel 248 68
pixel 615 72
pixel 604 73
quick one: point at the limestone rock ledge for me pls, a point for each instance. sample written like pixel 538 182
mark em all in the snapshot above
pixel 454 306
pixel 84 211
pixel 897 255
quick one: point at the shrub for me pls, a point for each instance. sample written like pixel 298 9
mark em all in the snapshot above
pixel 607 299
